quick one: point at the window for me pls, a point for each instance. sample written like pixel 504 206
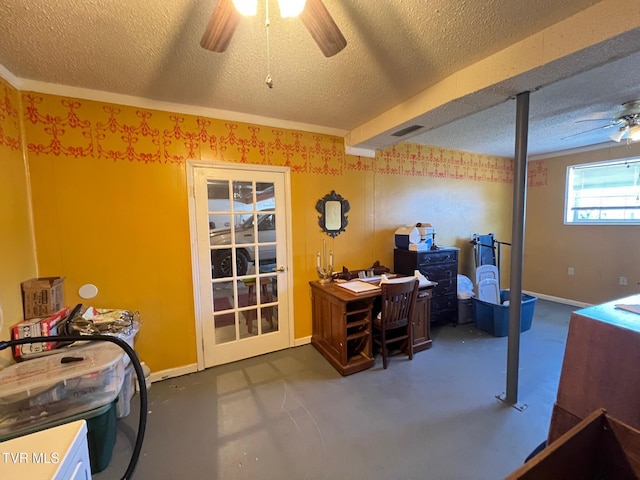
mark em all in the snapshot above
pixel 603 193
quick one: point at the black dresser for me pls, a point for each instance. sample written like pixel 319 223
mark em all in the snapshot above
pixel 438 266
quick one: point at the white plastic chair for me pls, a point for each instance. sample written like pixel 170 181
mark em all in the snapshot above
pixel 487 271
pixel 489 291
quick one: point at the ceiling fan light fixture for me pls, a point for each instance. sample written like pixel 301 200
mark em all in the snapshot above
pixel 291 8
pixel 617 135
pixel 248 8
pixel 634 133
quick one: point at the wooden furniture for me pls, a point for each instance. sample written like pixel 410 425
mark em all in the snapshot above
pixel 439 266
pixel 394 324
pixel 422 320
pixel 600 367
pixel 598 447
pixel 342 325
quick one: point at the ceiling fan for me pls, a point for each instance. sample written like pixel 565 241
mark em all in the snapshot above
pixel 315 16
pixel 626 123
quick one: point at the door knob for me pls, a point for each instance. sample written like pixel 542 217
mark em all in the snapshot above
pixel 281 268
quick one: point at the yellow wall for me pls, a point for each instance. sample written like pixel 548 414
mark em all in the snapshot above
pixel 110 204
pixel 17 253
pixel 599 254
pixel 459 193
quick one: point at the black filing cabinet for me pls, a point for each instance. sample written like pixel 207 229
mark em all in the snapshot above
pixel 438 266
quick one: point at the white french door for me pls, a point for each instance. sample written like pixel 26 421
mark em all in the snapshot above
pixel 240 231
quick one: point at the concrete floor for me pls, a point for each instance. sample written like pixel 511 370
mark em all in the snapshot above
pixel 290 415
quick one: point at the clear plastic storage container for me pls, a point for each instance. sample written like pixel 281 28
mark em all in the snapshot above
pixel 61 385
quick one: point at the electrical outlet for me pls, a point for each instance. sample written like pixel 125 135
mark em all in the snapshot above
pixel 622 281
pixel 570 271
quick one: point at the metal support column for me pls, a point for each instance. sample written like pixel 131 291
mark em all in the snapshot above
pixel 517 249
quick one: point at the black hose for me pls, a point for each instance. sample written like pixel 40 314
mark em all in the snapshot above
pixel 142 422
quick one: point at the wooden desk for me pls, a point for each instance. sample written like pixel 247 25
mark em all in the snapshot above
pixel 342 325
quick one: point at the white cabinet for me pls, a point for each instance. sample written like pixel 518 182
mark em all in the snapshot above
pixel 59 453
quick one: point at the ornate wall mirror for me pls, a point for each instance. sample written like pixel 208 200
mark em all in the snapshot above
pixel 333 213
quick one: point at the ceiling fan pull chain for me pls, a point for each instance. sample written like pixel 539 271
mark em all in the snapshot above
pixel 267 23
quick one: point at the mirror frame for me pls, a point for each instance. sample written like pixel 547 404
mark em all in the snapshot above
pixel 321 207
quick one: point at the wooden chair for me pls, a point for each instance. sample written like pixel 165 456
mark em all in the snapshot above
pixel 395 322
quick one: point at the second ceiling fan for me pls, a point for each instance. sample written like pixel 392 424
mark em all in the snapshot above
pixel 626 124
pixel 315 16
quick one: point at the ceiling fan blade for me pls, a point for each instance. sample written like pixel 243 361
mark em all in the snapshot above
pixel 590 130
pixel 322 28
pixel 593 120
pixel 222 24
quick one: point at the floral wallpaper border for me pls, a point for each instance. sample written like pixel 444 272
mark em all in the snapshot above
pixel 9 126
pixel 87 129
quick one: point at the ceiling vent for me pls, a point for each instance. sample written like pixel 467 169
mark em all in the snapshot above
pixel 406 130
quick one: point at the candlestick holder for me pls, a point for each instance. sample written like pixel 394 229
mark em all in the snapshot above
pixel 325 274
pixel 324 265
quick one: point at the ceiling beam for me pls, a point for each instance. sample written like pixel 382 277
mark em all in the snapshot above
pixel 574 45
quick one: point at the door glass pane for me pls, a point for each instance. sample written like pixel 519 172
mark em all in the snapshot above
pixel 218 195
pixel 247 300
pixel 221 262
pixel 244 260
pixel 271 321
pixel 267 258
pixel 265 199
pixel 223 296
pixel 218 223
pixel 242 196
pixel 224 316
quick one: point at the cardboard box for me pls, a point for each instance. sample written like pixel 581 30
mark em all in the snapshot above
pixel 42 297
pixel 37 327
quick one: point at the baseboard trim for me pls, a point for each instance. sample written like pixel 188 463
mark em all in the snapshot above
pixel 193 368
pixel 302 341
pixel 173 372
pixel 566 301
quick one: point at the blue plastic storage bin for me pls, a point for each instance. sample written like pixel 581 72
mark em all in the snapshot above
pixel 494 319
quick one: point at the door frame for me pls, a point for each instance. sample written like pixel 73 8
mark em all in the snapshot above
pixel 192 167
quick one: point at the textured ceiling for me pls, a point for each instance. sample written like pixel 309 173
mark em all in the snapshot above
pixel 396 49
pixel 565 115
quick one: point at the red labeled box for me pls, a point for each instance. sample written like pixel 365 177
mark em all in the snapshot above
pixel 37 327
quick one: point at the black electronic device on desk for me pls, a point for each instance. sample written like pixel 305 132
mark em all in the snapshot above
pixel 439 266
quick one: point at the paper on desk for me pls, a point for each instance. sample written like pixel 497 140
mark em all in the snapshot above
pixel 357 286
pixel 635 308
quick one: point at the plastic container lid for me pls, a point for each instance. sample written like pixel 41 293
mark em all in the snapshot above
pixel 28 378
pixel 488 291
